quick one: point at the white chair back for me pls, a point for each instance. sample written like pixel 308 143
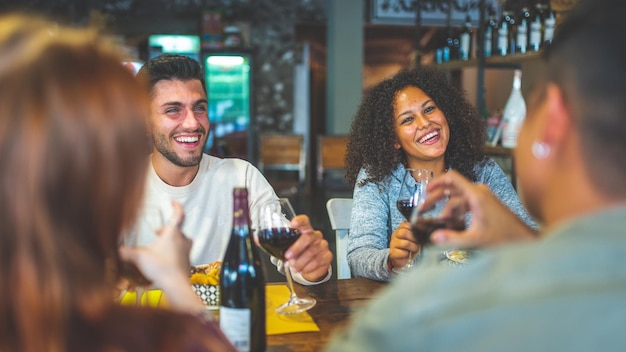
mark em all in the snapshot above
pixel 339 212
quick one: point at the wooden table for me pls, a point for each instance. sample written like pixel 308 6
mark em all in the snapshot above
pixel 336 300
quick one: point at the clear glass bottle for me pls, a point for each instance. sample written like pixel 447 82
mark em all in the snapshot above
pixel 535 40
pixel 242 283
pixel 514 112
pixel 491 36
pixel 503 37
pixel 522 31
pixel 548 28
pixel 512 33
pixel 465 48
pixel 451 48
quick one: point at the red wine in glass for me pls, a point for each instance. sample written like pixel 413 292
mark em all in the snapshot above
pixel 424 227
pixel 277 240
pixel 405 207
pixel 411 194
pixel 275 235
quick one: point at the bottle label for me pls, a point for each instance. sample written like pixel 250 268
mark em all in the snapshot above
pixel 235 323
pixel 548 33
pixel 509 134
pixel 522 40
pixel 535 33
pixel 465 46
pixel 522 35
pixel 503 40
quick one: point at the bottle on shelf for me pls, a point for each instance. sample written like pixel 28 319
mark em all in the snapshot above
pixel 535 39
pixel 503 37
pixel 465 48
pixel 451 47
pixel 522 32
pixel 512 33
pixel 514 112
pixel 242 284
pixel 526 15
pixel 548 30
pixel 491 35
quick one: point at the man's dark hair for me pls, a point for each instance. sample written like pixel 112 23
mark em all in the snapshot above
pixel 587 60
pixel 170 67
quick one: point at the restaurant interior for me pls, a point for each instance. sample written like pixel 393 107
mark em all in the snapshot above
pixel 310 61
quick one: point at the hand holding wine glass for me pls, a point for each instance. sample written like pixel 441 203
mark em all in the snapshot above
pixel 439 212
pixel 411 195
pixel 275 235
pixel 492 222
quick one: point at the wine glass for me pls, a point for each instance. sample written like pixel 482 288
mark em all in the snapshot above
pixel 142 233
pixel 275 235
pixel 425 221
pixel 411 195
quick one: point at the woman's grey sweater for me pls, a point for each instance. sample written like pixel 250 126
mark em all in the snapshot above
pixel 375 217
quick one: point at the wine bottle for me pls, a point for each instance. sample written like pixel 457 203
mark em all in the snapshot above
pixel 522 31
pixel 242 284
pixel 514 112
pixel 535 39
pixel 512 33
pixel 465 49
pixel 548 30
pixel 491 35
pixel 451 49
pixel 503 37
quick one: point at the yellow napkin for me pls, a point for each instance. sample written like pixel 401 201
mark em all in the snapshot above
pixel 277 324
pixel 275 295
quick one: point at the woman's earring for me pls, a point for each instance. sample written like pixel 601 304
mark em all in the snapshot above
pixel 540 150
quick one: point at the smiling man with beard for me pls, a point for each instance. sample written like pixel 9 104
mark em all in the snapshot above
pixel 203 184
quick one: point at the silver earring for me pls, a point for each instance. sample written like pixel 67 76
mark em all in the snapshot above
pixel 540 150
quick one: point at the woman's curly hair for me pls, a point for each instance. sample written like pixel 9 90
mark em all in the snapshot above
pixel 372 134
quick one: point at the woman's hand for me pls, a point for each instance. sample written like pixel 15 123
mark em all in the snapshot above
pixel 401 245
pixel 166 262
pixel 309 255
pixel 492 222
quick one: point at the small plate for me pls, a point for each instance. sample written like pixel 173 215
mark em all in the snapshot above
pixel 457 256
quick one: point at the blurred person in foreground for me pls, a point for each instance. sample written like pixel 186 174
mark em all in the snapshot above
pixel 180 170
pixel 565 291
pixel 72 150
pixel 414 119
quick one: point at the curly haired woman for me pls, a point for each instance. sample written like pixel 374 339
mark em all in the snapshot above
pixel 415 119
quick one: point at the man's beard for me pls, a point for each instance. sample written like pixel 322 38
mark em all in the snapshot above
pixel 160 143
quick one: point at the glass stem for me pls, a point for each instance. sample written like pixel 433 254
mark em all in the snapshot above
pixel 138 295
pixel 292 292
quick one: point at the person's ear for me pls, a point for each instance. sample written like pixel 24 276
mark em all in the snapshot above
pixel 397 145
pixel 558 117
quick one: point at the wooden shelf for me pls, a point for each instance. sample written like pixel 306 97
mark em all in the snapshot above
pixel 457 64
pixel 492 61
pixel 515 58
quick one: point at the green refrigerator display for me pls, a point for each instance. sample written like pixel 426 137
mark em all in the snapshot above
pixel 228 83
